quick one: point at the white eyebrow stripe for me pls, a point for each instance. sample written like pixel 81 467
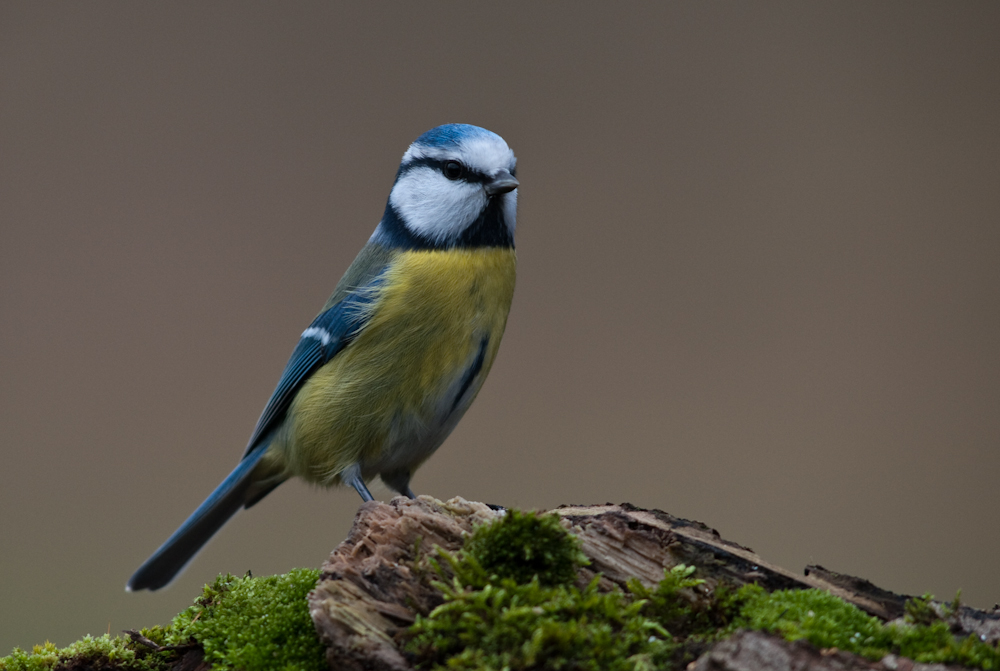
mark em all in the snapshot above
pixel 320 334
pixel 485 154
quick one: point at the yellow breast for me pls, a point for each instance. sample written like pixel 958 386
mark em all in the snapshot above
pixel 388 388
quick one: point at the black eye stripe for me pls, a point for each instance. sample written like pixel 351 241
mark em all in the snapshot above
pixel 470 175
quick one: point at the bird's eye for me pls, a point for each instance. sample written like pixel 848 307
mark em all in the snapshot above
pixel 453 169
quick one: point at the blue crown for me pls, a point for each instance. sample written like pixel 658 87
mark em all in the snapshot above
pixel 451 134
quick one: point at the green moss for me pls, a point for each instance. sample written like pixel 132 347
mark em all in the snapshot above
pixel 935 643
pixel 510 626
pixel 921 610
pixel 674 604
pixel 512 604
pixel 90 652
pixel 254 624
pixel 827 622
pixel 521 546
pixel 817 616
pixel 251 624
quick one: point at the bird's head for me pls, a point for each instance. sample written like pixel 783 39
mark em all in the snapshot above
pixel 455 188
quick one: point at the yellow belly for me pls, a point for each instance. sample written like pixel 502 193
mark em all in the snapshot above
pixel 391 388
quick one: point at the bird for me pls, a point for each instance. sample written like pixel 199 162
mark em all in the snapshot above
pixel 400 350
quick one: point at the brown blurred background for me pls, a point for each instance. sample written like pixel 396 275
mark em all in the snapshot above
pixel 759 278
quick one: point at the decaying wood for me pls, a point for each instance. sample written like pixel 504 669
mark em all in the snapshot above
pixel 619 539
pixel 373 586
pixel 376 581
pixel 757 651
pixel 965 621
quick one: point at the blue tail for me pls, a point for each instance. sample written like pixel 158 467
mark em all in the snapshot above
pixel 185 543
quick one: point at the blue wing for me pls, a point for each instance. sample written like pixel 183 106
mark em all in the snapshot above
pixel 329 333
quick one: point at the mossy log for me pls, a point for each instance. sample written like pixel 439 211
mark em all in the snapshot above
pixel 687 589
pixel 379 579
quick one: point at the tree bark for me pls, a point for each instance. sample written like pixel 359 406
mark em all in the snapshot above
pixel 379 579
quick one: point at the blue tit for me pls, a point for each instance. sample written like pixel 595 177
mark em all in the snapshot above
pixel 399 351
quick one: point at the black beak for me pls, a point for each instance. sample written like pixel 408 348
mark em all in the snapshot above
pixel 502 182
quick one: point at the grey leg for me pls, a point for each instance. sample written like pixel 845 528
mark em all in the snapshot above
pixel 400 481
pixel 352 476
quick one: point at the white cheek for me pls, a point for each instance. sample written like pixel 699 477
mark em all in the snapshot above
pixel 435 207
